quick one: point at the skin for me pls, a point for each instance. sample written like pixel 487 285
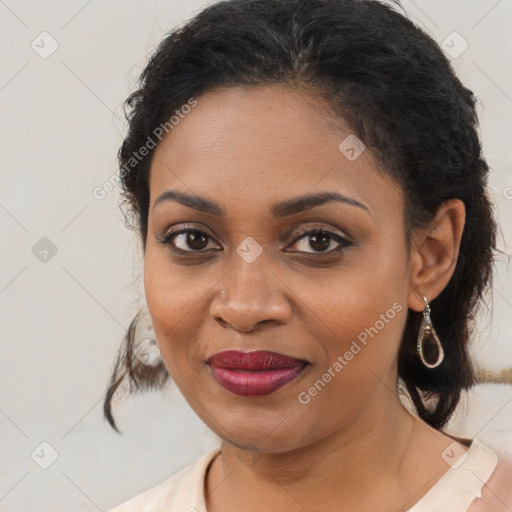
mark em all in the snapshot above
pixel 354 443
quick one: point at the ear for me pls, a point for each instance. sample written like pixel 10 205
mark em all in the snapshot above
pixel 434 253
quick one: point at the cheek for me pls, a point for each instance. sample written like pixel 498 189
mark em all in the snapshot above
pixel 357 316
pixel 365 295
pixel 360 331
pixel 360 347
pixel 173 298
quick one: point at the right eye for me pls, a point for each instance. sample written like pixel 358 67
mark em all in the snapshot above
pixel 190 239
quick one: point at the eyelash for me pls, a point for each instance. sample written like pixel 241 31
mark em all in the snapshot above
pixel 344 242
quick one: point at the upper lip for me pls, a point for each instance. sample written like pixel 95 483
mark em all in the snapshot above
pixel 254 361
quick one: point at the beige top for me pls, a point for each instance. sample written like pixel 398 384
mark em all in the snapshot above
pixel 453 492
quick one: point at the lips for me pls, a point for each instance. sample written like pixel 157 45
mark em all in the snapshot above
pixel 254 373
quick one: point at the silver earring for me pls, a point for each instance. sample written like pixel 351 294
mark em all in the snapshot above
pixel 427 331
pixel 145 347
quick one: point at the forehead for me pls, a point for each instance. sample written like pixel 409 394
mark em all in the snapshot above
pixel 264 144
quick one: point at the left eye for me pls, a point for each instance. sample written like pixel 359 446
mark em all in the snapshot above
pixel 320 240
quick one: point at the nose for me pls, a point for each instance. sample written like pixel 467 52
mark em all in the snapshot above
pixel 252 295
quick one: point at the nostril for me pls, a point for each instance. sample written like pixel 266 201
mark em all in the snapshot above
pixel 221 321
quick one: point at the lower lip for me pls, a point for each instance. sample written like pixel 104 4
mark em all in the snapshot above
pixel 260 383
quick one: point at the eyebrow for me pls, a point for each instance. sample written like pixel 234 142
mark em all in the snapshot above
pixel 279 210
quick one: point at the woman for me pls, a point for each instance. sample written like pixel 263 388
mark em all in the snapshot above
pixel 307 182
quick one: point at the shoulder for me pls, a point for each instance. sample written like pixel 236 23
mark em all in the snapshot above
pixel 183 490
pixel 497 491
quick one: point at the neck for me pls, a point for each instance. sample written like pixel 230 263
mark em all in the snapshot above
pixel 369 452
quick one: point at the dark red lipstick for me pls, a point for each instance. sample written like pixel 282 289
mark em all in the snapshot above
pixel 254 373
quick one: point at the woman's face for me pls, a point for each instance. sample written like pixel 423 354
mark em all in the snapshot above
pixel 255 280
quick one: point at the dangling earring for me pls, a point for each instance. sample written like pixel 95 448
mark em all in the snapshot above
pixel 145 347
pixel 427 331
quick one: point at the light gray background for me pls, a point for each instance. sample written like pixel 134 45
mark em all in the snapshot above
pixel 62 320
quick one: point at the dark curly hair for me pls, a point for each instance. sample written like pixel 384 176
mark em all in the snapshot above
pixel 399 94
